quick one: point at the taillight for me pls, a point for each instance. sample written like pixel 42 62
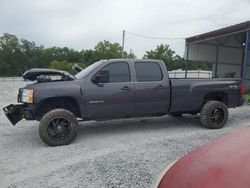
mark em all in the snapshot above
pixel 242 90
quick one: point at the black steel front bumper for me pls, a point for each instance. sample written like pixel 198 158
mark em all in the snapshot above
pixel 14 113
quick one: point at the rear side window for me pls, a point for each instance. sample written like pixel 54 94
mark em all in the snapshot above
pixel 118 72
pixel 148 71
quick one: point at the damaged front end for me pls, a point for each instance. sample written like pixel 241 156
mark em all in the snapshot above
pixel 47 75
pixel 14 113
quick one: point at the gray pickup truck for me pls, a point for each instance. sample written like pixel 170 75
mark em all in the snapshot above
pixel 118 88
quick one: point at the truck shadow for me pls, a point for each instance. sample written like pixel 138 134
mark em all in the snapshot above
pixel 138 125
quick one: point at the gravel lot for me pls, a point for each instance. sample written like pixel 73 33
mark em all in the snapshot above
pixel 120 153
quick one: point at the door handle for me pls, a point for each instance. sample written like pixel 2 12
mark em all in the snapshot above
pixel 159 87
pixel 126 88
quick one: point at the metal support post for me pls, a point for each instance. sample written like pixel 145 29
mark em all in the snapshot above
pixel 245 57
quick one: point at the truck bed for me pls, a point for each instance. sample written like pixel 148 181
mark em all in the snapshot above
pixel 187 94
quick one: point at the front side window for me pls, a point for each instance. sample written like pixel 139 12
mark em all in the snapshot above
pixel 118 72
pixel 148 71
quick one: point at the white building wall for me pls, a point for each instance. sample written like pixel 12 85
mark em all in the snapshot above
pixel 230 55
pixel 199 52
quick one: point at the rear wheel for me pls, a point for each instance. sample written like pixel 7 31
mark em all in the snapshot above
pixel 214 114
pixel 58 127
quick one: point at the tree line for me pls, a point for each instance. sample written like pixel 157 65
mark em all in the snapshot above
pixel 19 55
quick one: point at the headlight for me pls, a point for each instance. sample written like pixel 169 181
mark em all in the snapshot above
pixel 27 96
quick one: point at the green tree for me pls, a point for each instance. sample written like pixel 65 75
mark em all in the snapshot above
pixel 108 50
pixel 10 55
pixel 131 55
pixel 17 56
pixel 167 55
pixel 195 65
pixel 65 66
pixel 88 56
pixel 31 55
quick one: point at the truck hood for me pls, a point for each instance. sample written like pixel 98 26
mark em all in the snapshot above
pixel 33 74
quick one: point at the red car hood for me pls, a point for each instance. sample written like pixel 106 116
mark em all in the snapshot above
pixel 224 162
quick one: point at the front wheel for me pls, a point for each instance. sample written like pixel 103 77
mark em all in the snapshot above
pixel 214 114
pixel 58 127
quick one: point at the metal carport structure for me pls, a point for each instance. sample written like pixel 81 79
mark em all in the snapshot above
pixel 227 49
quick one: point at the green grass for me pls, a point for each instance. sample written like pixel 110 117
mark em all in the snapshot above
pixel 247 98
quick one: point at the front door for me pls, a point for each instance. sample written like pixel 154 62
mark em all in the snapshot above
pixel 115 98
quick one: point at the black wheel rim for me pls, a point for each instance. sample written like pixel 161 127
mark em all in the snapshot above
pixel 217 115
pixel 59 129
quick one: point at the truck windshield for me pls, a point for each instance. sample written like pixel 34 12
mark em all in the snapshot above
pixel 87 70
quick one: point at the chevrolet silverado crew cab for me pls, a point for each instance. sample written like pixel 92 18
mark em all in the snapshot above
pixel 118 88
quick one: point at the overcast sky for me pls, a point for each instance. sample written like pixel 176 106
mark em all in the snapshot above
pixel 80 24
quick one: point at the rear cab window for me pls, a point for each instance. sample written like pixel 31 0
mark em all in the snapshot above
pixel 148 71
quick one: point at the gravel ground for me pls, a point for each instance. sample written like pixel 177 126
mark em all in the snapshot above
pixel 119 153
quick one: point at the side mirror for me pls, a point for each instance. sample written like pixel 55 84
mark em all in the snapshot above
pixel 101 77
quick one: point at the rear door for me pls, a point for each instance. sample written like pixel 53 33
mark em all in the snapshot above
pixel 152 90
pixel 112 99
